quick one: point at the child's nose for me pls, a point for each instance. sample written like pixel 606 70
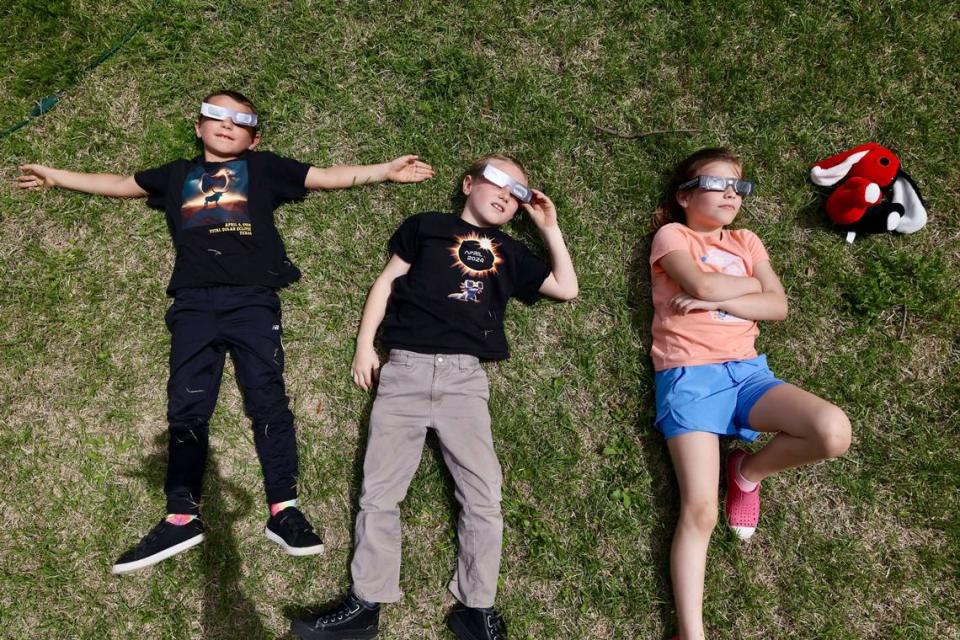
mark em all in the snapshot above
pixel 504 193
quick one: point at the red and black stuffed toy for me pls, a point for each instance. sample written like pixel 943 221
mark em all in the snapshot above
pixel 871 194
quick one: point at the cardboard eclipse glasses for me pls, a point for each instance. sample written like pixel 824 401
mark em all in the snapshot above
pixel 713 183
pixel 240 118
pixel 519 191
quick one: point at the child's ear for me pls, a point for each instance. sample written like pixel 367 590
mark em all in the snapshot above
pixel 255 141
pixel 196 127
pixel 467 185
pixel 683 198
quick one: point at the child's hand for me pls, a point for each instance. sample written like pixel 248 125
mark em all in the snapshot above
pixel 684 303
pixel 35 176
pixel 541 210
pixel 365 367
pixel 408 169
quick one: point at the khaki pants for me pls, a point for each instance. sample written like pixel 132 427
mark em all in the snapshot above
pixel 447 393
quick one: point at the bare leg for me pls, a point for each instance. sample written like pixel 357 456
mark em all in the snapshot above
pixel 808 429
pixel 696 461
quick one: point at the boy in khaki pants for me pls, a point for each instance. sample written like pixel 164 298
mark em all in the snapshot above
pixel 441 300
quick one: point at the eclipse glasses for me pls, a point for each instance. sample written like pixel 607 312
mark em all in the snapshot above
pixel 519 191
pixel 713 183
pixel 240 118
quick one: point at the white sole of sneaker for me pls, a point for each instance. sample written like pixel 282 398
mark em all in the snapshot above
pixel 744 533
pixel 143 563
pixel 293 551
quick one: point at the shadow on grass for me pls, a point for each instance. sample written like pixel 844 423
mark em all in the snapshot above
pixel 356 485
pixel 227 612
pixel 663 486
pixel 812 216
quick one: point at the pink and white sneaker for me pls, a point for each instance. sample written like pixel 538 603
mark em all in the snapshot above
pixel 742 507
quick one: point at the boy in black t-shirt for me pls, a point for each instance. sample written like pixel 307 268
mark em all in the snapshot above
pixel 230 260
pixel 441 300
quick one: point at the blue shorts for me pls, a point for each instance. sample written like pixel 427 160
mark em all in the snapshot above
pixel 715 398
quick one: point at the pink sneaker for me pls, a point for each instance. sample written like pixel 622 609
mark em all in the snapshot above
pixel 742 507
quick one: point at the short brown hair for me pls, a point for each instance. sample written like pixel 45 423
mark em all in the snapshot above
pixel 669 209
pixel 239 97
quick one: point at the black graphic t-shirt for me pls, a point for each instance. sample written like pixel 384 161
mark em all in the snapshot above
pixel 220 216
pixel 453 298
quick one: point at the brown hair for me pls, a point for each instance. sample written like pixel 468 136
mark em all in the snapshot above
pixel 669 209
pixel 239 97
pixel 475 171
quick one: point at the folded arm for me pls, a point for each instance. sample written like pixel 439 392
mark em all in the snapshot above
pixel 703 285
pixel 769 304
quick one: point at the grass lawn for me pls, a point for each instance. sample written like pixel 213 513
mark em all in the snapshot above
pixel 599 99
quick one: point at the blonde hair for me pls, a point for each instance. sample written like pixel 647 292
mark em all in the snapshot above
pixel 475 171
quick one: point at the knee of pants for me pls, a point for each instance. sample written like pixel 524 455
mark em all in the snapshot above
pixel 267 404
pixel 186 431
pixel 382 497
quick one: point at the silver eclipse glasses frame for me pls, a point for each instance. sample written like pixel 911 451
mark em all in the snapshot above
pixel 519 191
pixel 239 118
pixel 714 183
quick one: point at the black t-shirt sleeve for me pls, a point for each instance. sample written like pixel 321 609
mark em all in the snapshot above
pixel 286 177
pixel 405 241
pixel 531 272
pixel 156 182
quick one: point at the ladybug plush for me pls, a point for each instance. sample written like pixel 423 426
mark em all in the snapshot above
pixel 872 194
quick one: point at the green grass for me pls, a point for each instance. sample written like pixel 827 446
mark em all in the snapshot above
pixel 865 547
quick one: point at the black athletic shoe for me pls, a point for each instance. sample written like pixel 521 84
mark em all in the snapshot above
pixel 163 541
pixel 349 620
pixel 470 623
pixel 290 529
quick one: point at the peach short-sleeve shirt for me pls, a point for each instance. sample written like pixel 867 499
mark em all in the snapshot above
pixel 701 337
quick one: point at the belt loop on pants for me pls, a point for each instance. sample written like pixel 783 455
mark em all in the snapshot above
pixel 398 356
pixel 467 362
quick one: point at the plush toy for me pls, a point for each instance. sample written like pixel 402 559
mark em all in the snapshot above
pixel 863 176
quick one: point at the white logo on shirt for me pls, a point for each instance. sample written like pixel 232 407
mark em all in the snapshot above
pixel 730 265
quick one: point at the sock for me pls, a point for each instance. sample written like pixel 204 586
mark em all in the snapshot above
pixel 277 507
pixel 743 483
pixel 180 519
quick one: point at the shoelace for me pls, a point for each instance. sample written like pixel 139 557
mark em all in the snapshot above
pixel 154 533
pixel 496 625
pixel 296 521
pixel 348 608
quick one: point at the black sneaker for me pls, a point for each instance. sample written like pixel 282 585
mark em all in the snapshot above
pixel 163 541
pixel 350 620
pixel 290 529
pixel 470 623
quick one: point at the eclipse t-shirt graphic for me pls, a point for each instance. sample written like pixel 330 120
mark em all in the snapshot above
pixel 220 216
pixel 453 298
pixel 217 198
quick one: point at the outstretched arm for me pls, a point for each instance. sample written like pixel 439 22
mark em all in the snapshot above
pixel 366 364
pixel 562 283
pixel 104 184
pixel 703 285
pixel 402 169
pixel 769 304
